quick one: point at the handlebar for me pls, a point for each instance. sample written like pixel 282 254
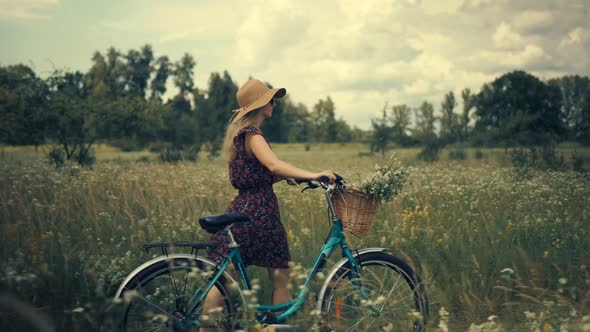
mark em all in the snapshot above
pixel 323 182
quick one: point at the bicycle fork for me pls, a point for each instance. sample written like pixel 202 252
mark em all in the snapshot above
pixel 354 276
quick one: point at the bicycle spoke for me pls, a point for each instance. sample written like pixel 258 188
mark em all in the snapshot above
pixel 158 307
pixel 156 328
pixel 384 296
pixel 165 290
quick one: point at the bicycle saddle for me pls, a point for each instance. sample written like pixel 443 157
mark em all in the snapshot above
pixel 215 223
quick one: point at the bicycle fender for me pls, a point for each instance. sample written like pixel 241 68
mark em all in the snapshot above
pixel 340 264
pixel 156 261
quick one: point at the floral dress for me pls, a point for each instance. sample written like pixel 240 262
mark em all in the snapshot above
pixel 263 241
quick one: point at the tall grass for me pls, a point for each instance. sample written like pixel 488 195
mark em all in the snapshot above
pixel 485 244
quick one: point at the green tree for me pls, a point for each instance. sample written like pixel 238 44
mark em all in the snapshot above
pixel 22 106
pixel 518 108
pixel 278 127
pixel 467 106
pixel 400 122
pixel 183 74
pixel 323 120
pixel 301 127
pixel 343 131
pixel 449 129
pixel 158 84
pixel 425 123
pixel 98 76
pixel 382 132
pixel 116 69
pixel 215 111
pixel 71 119
pixel 138 70
pixel 575 106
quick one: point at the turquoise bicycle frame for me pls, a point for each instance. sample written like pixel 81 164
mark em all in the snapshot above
pixel 335 239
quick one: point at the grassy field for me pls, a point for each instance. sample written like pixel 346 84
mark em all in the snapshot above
pixel 497 252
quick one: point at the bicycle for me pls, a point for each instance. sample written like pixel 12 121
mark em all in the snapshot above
pixel 367 289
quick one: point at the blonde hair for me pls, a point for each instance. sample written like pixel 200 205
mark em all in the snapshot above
pixel 236 123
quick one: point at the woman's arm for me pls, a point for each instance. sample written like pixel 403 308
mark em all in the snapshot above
pixel 260 149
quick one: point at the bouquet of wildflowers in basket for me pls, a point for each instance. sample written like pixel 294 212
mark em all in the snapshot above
pixel 386 181
pixel 357 205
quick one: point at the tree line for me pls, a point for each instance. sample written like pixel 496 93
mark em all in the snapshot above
pixel 516 109
pixel 120 100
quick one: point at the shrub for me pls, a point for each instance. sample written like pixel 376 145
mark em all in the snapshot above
pixel 171 155
pixel 126 145
pixel 577 162
pixel 457 154
pixel 550 158
pixel 143 159
pixel 479 154
pixel 85 157
pixel 57 156
pixel 430 152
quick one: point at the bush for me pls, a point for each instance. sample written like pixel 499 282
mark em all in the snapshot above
pixel 126 145
pixel 143 159
pixel 158 147
pixel 215 148
pixel 85 157
pixel 457 154
pixel 171 155
pixel 550 158
pixel 479 155
pixel 57 156
pixel 430 152
pixel 526 161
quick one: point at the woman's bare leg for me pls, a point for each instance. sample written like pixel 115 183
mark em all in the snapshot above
pixel 280 281
pixel 212 301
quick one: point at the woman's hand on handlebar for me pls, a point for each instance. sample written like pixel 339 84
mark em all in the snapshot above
pixel 326 177
pixel 292 182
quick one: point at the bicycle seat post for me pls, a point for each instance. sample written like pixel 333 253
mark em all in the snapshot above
pixel 232 241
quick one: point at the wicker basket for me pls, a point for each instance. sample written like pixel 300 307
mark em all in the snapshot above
pixel 355 209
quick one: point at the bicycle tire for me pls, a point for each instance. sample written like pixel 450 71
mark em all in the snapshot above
pixel 393 288
pixel 157 302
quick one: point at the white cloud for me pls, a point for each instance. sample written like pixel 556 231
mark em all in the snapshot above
pixel 533 20
pixel 505 38
pixel 361 53
pixel 24 9
pixel 578 35
pixel 509 60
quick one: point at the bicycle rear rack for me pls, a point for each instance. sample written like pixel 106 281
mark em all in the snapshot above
pixel 195 247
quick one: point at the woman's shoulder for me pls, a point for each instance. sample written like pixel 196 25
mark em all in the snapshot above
pixel 250 130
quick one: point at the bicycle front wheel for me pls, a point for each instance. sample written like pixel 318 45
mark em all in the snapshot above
pixel 157 297
pixel 388 295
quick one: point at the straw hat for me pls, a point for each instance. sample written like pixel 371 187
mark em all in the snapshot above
pixel 255 94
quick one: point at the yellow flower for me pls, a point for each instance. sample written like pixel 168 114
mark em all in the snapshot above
pixel 547 328
pixel 546 254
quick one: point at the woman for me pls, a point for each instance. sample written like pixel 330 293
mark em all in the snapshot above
pixel 253 168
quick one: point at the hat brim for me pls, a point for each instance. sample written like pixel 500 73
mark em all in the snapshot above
pixel 265 98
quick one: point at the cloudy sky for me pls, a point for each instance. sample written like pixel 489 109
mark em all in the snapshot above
pixel 363 54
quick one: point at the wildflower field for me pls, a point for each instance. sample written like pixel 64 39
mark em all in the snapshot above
pixel 497 251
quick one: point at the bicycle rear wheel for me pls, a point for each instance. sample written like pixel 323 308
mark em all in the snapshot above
pixel 391 297
pixel 158 296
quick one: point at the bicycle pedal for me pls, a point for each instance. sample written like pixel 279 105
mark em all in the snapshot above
pixel 266 318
